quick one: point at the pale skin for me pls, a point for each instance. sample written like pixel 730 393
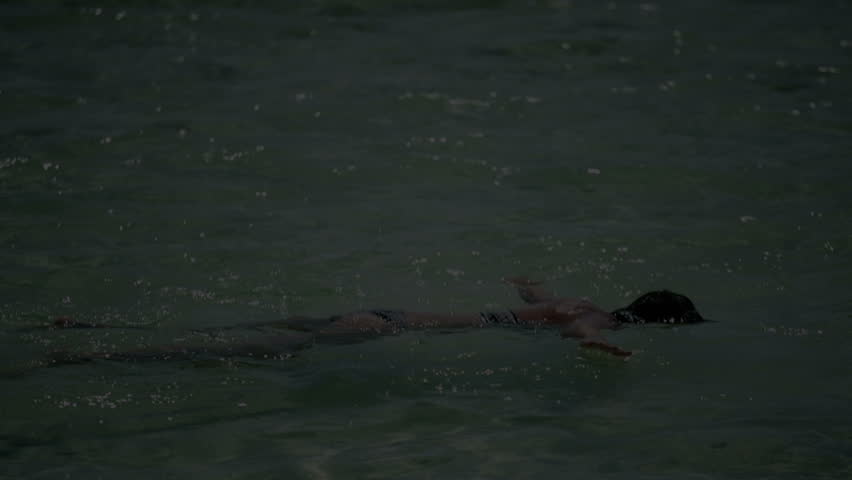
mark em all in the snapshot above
pixel 575 318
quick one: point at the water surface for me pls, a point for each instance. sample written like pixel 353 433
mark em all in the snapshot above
pixel 180 165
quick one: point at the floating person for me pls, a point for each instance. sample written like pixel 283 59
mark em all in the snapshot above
pixel 575 318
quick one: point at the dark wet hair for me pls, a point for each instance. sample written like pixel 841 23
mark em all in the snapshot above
pixel 661 306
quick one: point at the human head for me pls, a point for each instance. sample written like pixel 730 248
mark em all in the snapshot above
pixel 660 306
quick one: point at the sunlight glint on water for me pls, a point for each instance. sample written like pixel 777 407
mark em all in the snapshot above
pixel 191 165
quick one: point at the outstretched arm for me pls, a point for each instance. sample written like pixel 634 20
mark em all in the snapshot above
pixel 530 291
pixel 587 330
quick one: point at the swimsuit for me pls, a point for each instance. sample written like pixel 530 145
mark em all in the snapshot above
pixel 396 317
pixel 506 317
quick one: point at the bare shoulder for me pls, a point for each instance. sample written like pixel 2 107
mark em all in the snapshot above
pixel 575 304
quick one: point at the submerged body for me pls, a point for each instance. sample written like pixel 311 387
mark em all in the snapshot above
pixel 575 318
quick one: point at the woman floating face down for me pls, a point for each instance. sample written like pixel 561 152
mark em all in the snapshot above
pixel 575 318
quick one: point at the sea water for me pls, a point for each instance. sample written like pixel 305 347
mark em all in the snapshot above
pixel 173 166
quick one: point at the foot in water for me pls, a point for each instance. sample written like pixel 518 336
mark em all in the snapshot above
pixel 62 357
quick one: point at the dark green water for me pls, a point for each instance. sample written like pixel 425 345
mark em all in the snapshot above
pixel 182 164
